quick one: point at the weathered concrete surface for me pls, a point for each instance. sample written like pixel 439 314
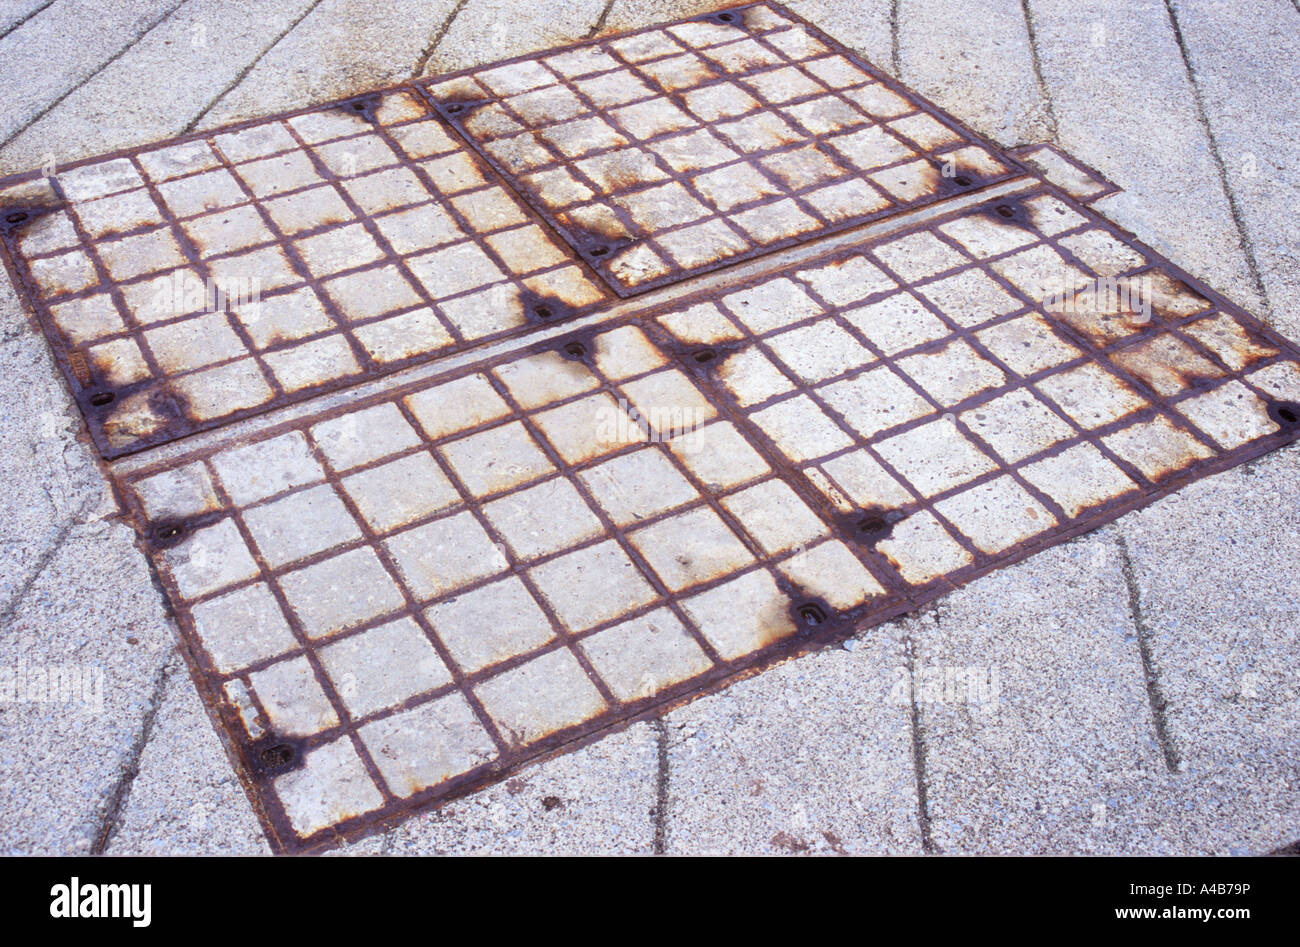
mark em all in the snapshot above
pixel 814 756
pixel 1124 103
pixel 347 46
pixel 1250 112
pixel 185 797
pixel 1223 623
pixel 600 798
pixel 479 31
pixel 148 773
pixel 210 40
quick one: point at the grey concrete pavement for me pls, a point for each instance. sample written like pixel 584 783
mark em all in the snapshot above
pixel 1169 636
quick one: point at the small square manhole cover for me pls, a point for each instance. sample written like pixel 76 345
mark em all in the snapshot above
pixel 400 599
pixel 672 151
pixel 188 284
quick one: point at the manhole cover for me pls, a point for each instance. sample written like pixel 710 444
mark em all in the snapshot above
pixel 192 283
pixel 401 599
pixel 675 150
pixel 965 392
pixel 404 598
pixel 395 596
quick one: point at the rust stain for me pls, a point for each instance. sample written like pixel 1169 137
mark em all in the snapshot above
pixel 1167 364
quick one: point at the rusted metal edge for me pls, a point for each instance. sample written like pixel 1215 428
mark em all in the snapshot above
pixel 1026 153
pixel 525 193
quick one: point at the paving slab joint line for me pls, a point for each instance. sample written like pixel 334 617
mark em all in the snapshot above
pixel 96 71
pixel 1040 81
pixel 243 73
pixel 895 56
pixel 122 791
pixel 600 21
pixel 25 17
pixel 661 787
pixel 1202 116
pixel 1150 675
pixel 928 843
pixel 60 540
pixel 439 35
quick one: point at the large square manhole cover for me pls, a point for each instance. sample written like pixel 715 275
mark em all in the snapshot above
pixel 407 596
pixel 192 283
pixel 675 150
pixel 400 599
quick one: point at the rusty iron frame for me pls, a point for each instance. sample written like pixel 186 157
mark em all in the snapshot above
pixel 456 110
pixel 900 596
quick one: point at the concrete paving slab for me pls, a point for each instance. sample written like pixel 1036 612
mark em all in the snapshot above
pixel 1034 720
pixel 975 61
pixel 71 753
pixel 1223 640
pixel 864 27
pixel 1256 133
pixel 204 43
pixel 834 775
pixel 599 800
pixel 632 14
pixel 185 796
pixel 335 51
pixel 14 13
pixel 486 30
pixel 72 41
pixel 1124 105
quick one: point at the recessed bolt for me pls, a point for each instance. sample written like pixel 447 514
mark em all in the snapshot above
pixel 811 614
pixel 278 756
pixel 1285 413
pixel 872 524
